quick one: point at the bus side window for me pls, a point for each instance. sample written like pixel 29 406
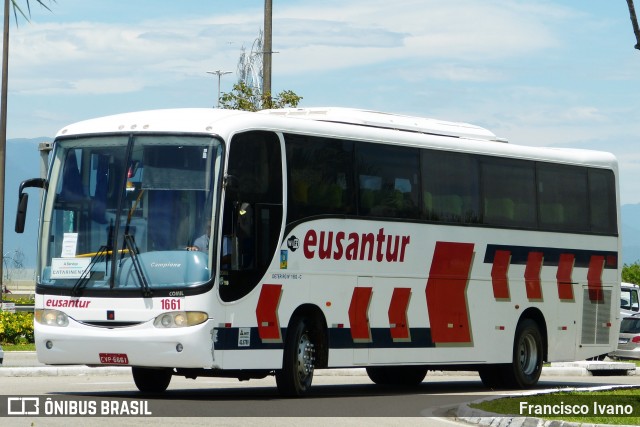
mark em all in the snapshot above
pixel 320 176
pixel 388 180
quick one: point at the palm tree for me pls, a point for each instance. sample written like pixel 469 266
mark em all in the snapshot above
pixel 16 8
pixel 634 22
pixel 3 101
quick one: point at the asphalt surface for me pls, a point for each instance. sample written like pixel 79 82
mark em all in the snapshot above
pixel 25 364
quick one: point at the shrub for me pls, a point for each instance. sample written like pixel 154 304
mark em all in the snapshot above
pixel 18 299
pixel 16 328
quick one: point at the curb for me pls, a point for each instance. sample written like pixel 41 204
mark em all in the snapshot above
pixel 482 418
pixel 61 371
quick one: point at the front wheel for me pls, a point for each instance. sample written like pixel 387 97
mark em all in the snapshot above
pixel 151 380
pixel 298 362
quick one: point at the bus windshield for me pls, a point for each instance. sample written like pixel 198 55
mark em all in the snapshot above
pixel 123 213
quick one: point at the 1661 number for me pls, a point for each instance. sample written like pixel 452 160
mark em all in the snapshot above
pixel 171 304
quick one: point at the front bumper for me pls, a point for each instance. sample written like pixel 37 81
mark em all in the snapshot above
pixel 143 345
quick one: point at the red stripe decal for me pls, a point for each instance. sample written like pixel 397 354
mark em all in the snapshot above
pixel 565 283
pixel 446 292
pixel 532 276
pixel 267 313
pixel 398 314
pixel 499 277
pixel 358 314
pixel 594 278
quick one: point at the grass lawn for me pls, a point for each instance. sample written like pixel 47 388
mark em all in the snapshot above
pixel 19 347
pixel 598 407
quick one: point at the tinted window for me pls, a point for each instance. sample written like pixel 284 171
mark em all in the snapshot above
pixel 320 176
pixel 256 166
pixel 449 187
pixel 563 197
pixel 331 176
pixel 602 201
pixel 508 190
pixel 388 182
pixel 252 214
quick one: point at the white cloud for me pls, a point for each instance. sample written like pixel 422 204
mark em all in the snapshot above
pixel 524 69
pixel 308 37
pixel 459 72
pixel 583 114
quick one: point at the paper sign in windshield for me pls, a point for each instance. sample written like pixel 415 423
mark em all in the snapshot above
pixel 68 268
pixel 69 244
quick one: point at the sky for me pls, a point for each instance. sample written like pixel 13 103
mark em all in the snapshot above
pixel 554 73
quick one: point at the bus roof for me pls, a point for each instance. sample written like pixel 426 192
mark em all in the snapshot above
pixel 336 123
pixel 378 119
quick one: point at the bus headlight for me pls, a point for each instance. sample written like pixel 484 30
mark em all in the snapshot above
pixel 51 317
pixel 180 319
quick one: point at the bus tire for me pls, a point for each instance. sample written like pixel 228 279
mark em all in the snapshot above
pixel 150 380
pixel 407 376
pixel 298 360
pixel 526 367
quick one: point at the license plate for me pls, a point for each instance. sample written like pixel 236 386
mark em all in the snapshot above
pixel 623 340
pixel 114 359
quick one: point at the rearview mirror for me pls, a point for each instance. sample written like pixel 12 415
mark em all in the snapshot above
pixel 23 200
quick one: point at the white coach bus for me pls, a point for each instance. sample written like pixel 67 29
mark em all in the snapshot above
pixel 205 242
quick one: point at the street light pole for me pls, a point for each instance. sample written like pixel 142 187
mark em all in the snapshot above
pixel 219 73
pixel 3 125
pixel 267 48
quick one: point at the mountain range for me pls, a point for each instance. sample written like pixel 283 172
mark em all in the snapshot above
pixel 23 162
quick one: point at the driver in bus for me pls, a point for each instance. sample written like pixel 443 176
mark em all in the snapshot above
pixel 202 243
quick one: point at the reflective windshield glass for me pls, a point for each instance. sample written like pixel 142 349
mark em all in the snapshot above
pixel 630 325
pixel 127 213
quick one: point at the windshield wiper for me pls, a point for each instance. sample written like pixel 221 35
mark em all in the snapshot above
pixel 130 243
pixel 102 253
pixel 88 272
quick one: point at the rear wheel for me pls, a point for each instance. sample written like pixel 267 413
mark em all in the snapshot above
pixel 298 363
pixel 526 367
pixel 150 380
pixel 397 375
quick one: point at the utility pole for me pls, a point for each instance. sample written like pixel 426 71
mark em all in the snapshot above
pixel 634 22
pixel 219 73
pixel 3 127
pixel 267 49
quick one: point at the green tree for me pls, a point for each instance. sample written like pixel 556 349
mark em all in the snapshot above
pixel 244 97
pixel 631 273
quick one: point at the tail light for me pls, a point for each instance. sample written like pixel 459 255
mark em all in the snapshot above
pixel 636 339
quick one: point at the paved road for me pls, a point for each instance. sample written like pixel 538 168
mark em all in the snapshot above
pixel 348 395
pixel 349 398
